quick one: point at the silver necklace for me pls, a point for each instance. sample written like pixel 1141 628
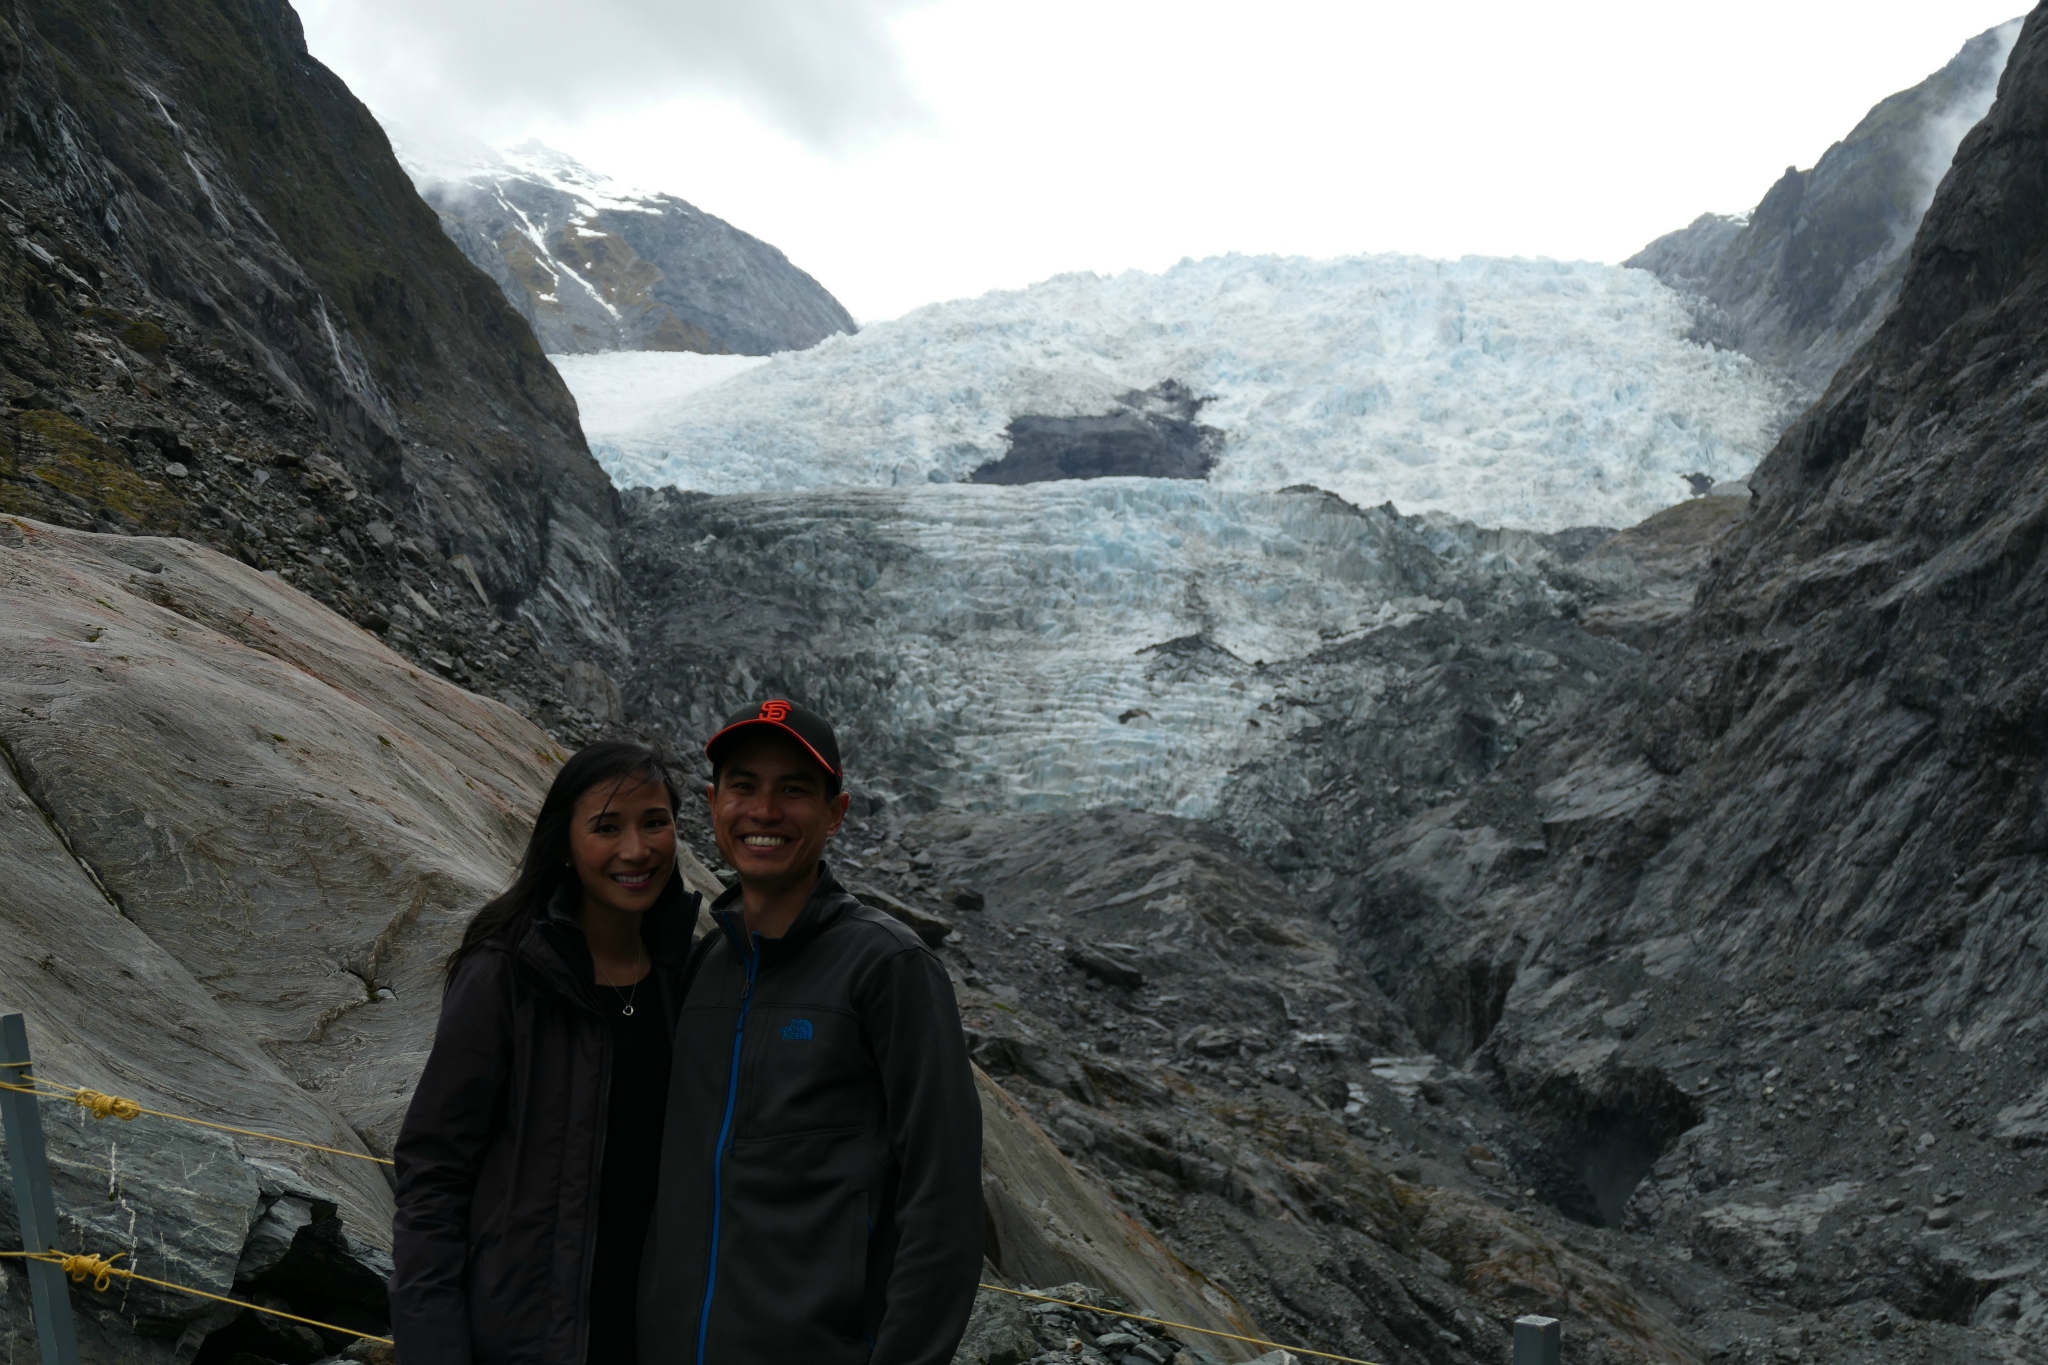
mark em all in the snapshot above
pixel 626 1000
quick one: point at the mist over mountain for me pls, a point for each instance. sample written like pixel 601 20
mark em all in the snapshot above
pixel 1803 279
pixel 593 266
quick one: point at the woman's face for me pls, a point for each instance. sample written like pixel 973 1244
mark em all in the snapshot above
pixel 622 840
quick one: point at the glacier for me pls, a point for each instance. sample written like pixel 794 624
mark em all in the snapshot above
pixel 1061 645
pixel 804 524
pixel 1527 393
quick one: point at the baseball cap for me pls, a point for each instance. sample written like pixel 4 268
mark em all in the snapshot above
pixel 800 723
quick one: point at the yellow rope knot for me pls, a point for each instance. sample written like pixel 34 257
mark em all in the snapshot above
pixel 106 1106
pixel 100 1271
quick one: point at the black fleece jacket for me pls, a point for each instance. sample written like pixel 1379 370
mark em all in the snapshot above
pixel 820 1193
pixel 499 1158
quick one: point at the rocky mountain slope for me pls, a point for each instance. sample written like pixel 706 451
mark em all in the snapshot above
pixel 1801 281
pixel 225 314
pixel 1783 893
pixel 594 267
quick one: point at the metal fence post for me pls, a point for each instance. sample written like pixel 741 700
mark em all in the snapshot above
pixel 1538 1341
pixel 25 1153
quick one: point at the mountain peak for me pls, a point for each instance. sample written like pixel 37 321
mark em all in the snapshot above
pixel 596 265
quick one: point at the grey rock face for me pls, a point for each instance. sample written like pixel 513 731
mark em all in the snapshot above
pixel 229 317
pixel 1152 433
pixel 593 268
pixel 1811 272
pixel 176 1200
pixel 1250 1100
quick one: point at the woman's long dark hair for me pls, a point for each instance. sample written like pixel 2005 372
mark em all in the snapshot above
pixel 544 867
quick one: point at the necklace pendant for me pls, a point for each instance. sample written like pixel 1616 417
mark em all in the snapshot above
pixel 627 1011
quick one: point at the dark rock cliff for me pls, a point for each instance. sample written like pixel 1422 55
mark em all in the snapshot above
pixel 1813 270
pixel 595 269
pixel 1784 889
pixel 225 314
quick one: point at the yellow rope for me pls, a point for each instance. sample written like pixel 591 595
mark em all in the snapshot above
pixel 1183 1326
pixel 114 1106
pixel 102 1270
pixel 107 1106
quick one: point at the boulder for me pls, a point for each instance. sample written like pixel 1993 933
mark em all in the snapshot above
pixel 932 928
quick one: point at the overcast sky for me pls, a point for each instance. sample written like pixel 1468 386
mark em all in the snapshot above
pixel 908 152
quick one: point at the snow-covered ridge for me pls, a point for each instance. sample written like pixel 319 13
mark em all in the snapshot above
pixel 432 160
pixel 597 265
pixel 1510 392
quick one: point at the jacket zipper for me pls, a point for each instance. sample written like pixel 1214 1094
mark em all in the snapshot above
pixel 732 1092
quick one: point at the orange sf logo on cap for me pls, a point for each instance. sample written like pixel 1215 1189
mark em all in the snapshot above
pixel 777 711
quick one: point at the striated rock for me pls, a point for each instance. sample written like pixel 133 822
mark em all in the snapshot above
pixel 243 836
pixel 1048 1225
pixel 177 1202
pixel 226 315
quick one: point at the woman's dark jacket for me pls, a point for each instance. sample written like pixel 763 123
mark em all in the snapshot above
pixel 499 1159
pixel 820 1192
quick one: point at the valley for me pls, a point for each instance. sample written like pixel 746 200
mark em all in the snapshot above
pixel 1445 789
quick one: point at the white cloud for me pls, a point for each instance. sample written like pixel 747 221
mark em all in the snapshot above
pixel 825 73
pixel 1105 134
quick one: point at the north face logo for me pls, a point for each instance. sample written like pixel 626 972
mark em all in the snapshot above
pixel 797 1030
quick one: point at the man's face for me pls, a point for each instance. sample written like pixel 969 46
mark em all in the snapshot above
pixel 770 811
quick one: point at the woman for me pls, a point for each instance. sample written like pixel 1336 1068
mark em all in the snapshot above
pixel 526 1163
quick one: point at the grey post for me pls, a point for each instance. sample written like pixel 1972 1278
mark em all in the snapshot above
pixel 1537 1341
pixel 24 1127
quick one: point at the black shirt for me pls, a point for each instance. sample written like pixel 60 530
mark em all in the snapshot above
pixel 632 1156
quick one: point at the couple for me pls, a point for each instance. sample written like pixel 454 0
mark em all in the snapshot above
pixel 763 1147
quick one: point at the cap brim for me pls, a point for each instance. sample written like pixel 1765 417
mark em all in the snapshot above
pixel 711 746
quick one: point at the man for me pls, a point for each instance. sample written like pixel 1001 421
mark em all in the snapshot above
pixel 820 1191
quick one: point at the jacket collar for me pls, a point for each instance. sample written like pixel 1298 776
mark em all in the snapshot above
pixel 828 904
pixel 555 947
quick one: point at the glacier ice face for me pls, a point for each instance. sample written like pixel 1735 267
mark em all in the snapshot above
pixel 1509 392
pixel 1051 646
